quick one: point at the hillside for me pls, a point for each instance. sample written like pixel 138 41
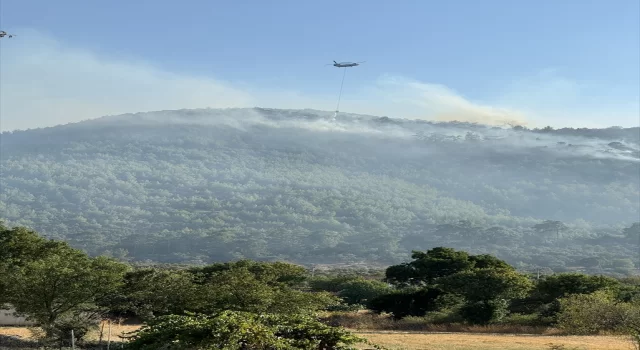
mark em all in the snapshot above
pixel 208 185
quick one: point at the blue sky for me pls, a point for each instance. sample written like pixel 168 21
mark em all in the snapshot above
pixel 560 62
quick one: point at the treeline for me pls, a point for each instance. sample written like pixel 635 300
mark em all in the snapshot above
pixel 232 306
pixel 173 189
pixel 448 286
pixel 269 304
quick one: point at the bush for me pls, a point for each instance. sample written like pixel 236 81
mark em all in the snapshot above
pixel 444 317
pixel 531 320
pixel 439 321
pixel 585 314
pixel 230 330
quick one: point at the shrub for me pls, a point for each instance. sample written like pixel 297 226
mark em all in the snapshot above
pixel 444 317
pixel 230 330
pixel 594 313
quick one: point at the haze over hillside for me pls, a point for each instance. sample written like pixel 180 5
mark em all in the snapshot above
pixel 214 185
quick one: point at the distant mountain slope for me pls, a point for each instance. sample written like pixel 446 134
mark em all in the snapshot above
pixel 201 185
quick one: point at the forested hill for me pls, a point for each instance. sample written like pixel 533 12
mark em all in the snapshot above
pixel 215 185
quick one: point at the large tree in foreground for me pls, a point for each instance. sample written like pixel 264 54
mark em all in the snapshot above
pixel 51 283
pixel 20 246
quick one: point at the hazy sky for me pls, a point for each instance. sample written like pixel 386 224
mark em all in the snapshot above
pixel 543 62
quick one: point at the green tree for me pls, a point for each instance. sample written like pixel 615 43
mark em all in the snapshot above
pixel 268 272
pixel 151 292
pixel 487 261
pixel 244 286
pixel 482 280
pixel 20 246
pixel 360 291
pixel 239 289
pixel 63 285
pixel 486 291
pixel 487 284
pixel 426 267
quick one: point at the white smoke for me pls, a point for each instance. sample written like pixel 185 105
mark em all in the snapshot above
pixel 45 83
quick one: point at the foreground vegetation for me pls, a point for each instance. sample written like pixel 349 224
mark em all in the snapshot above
pixel 203 186
pixel 437 341
pixel 261 305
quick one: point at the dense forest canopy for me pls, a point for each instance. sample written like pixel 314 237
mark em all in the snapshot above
pixel 199 186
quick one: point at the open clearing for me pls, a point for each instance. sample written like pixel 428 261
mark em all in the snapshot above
pixel 463 341
pixel 443 341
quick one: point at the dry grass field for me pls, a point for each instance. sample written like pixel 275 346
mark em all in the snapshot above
pixel 463 341
pixel 395 340
pixel 116 332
